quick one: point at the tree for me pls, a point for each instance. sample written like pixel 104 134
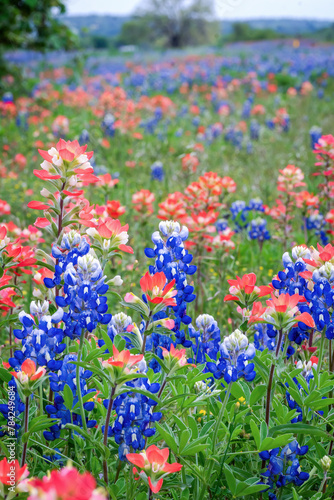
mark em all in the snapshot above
pixel 32 24
pixel 177 22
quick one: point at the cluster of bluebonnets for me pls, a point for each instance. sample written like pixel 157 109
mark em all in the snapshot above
pixel 81 302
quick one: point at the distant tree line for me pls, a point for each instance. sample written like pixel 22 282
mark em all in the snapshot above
pixel 172 23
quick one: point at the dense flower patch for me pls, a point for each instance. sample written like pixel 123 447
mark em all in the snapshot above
pixel 140 359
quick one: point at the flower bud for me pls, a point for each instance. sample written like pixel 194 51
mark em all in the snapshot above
pixel 326 463
pixel 116 281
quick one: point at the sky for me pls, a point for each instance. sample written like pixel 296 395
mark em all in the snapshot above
pixel 225 9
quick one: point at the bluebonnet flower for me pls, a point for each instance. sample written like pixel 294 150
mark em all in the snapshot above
pixel 221 225
pixel 84 137
pixel 258 230
pixel 289 280
pixel 307 373
pixel 21 120
pixel 256 204
pixel 283 467
pixel 118 326
pixel 235 137
pixel 175 261
pixel 254 130
pixel 15 408
pixel 249 147
pixel 315 134
pixel 240 212
pixel 157 171
pixel 264 337
pixel 270 124
pixel 67 376
pixel 319 299
pixel 207 338
pixel 7 97
pixel 108 124
pixel 41 342
pixel 246 109
pixel 84 287
pixel 235 352
pixel 135 416
pixel 316 222
pixel 285 123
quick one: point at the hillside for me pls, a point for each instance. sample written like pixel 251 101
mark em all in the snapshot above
pixel 110 26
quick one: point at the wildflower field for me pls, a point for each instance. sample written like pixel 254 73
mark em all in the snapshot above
pixel 167 277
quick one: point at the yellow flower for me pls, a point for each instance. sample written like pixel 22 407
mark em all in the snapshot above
pixel 202 413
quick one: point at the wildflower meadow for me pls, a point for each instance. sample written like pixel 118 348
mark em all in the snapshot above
pixel 167 277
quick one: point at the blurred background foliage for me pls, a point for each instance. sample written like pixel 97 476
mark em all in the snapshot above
pixel 156 24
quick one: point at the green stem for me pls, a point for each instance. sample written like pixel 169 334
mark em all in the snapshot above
pixel 214 439
pixel 144 333
pixel 220 417
pixel 321 351
pixel 286 345
pixel 41 400
pixel 26 422
pixel 105 435
pixel 82 410
pixel 322 487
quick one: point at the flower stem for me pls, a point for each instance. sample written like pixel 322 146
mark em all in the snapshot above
pixel 270 381
pixel 271 375
pixel 26 422
pixel 220 417
pixel 322 488
pixel 82 410
pixel 161 390
pixel 145 336
pixel 215 435
pixel 41 399
pixel 106 429
pixel 321 351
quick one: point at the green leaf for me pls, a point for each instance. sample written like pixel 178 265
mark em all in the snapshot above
pixel 263 430
pixel 270 443
pixel 255 433
pixel 206 428
pixel 193 427
pixel 257 394
pixel 108 342
pixel 5 376
pixel 181 425
pixel 321 403
pixel 184 439
pixel 249 490
pixel 231 481
pixel 300 428
pixel 261 368
pixel 168 437
pixel 195 446
pixel 237 390
pixel 68 397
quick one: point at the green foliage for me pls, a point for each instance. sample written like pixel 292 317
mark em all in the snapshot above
pixel 175 24
pixel 32 24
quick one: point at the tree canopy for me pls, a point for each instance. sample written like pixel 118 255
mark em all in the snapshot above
pixel 33 24
pixel 172 23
